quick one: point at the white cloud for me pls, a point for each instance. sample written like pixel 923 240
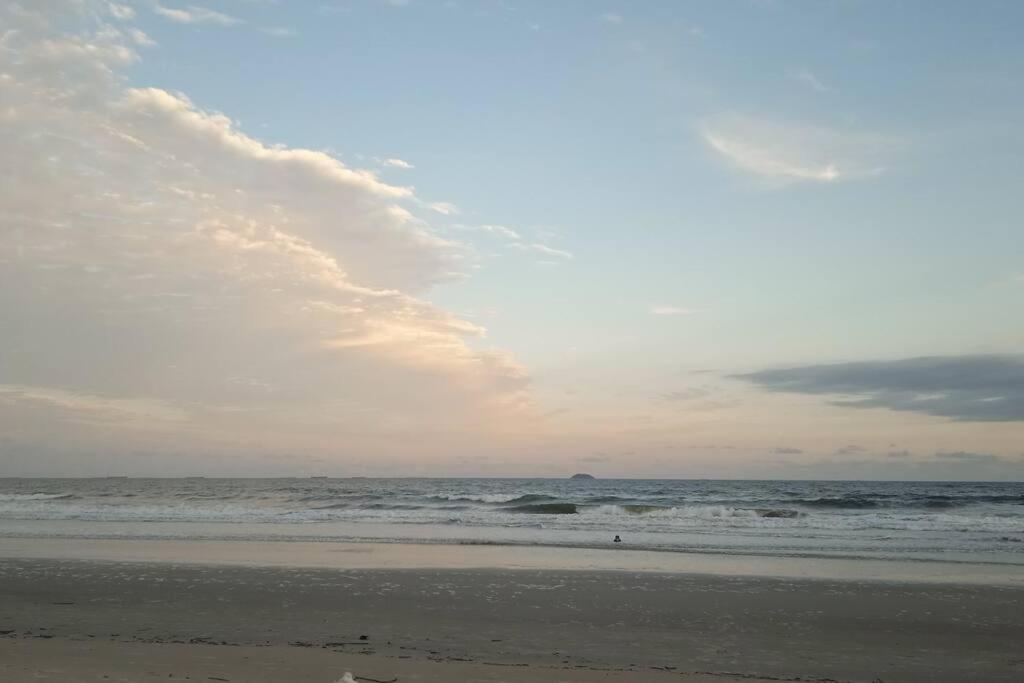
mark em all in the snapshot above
pixel 806 77
pixel 496 230
pixel 157 261
pixel 140 38
pixel 122 12
pixel 611 18
pixel 195 15
pixel 664 309
pixel 443 208
pixel 787 153
pixel 397 163
pixel 542 249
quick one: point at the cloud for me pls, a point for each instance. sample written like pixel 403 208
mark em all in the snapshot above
pixel 983 388
pixel 140 38
pixel 195 15
pixel 806 77
pixel 397 163
pixel 787 451
pixel 787 153
pixel 90 407
pixel 443 208
pixel 496 230
pixel 501 231
pixel 662 309
pixel 539 248
pixel 611 18
pixel 122 12
pixel 157 261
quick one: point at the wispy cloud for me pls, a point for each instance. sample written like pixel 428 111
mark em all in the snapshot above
pixel 611 18
pixel 807 77
pixel 539 248
pixel 496 230
pixel 140 38
pixel 193 14
pixel 397 163
pixel 443 208
pixel 665 309
pixel 787 153
pixel 122 12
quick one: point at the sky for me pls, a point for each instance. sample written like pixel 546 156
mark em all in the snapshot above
pixel 745 239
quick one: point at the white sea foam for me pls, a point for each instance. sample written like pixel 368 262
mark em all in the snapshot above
pixel 480 498
pixel 14 497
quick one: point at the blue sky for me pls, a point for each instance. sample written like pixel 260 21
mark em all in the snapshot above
pixel 642 204
pixel 584 120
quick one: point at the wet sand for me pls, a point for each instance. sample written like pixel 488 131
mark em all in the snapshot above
pixel 80 620
pixel 378 555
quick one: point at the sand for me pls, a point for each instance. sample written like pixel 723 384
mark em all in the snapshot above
pixel 69 620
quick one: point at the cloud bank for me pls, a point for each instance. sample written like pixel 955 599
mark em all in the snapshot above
pixel 157 262
pixel 983 388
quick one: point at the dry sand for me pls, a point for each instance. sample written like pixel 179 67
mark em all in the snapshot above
pixel 69 620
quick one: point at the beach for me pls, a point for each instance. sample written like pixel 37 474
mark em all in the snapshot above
pixel 102 614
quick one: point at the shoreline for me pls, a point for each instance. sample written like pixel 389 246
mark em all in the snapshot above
pixel 493 624
pixel 401 555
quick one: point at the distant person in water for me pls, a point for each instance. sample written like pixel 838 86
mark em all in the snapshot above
pixel 617 539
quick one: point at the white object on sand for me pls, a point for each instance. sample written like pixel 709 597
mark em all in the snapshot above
pixel 347 678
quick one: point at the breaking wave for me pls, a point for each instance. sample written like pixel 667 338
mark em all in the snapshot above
pixel 545 508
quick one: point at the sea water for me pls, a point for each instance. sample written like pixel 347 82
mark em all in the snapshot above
pixel 968 522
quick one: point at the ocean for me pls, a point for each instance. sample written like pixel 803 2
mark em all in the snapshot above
pixel 967 522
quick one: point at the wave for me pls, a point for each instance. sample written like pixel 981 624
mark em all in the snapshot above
pixel 392 506
pixel 845 502
pixel 342 495
pixel 710 512
pixel 643 509
pixel 940 504
pixel 493 498
pixel 1017 500
pixel 16 497
pixel 545 508
pixel 606 499
pixel 778 513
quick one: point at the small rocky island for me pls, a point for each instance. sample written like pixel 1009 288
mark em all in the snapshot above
pixel 582 475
